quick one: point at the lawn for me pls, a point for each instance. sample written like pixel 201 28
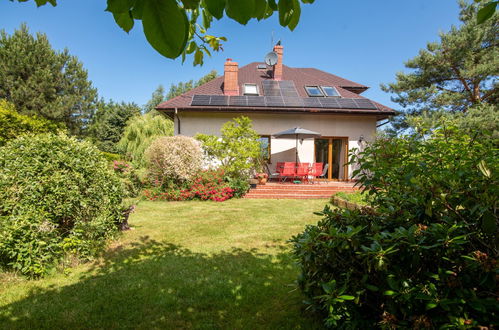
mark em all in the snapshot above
pixel 194 265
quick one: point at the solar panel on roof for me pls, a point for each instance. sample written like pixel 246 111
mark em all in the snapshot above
pixel 238 101
pixel 219 100
pixel 274 101
pixel 279 101
pixel 200 100
pixel 256 101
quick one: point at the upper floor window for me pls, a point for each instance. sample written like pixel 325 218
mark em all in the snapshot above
pixel 314 91
pixel 250 89
pixel 330 91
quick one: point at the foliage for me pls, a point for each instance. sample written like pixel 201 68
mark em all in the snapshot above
pixel 426 257
pixel 206 185
pixel 183 87
pixel 57 196
pixel 453 74
pixel 110 157
pixel 173 160
pixel 481 120
pixel 235 149
pixel 109 122
pixel 130 178
pixel 41 81
pixel 486 12
pixel 180 27
pixel 240 186
pixel 13 124
pixel 159 95
pixel 139 134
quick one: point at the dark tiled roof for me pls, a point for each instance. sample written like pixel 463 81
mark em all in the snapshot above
pixel 300 76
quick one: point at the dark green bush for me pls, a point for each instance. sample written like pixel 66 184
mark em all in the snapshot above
pixel 57 196
pixel 240 186
pixel 426 257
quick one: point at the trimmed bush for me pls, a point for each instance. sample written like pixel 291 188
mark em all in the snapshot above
pixel 426 255
pixel 13 124
pixel 57 196
pixel 173 160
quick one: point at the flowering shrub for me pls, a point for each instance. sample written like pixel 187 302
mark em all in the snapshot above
pixel 173 160
pixel 207 185
pixel 120 166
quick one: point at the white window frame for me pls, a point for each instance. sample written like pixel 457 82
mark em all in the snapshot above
pixel 318 88
pixel 251 84
pixel 325 94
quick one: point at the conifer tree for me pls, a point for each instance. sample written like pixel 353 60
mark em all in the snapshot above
pixel 41 81
pixel 453 74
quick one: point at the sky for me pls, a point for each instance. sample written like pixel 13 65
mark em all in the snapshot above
pixel 365 41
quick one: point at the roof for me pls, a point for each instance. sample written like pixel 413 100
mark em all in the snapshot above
pixel 301 77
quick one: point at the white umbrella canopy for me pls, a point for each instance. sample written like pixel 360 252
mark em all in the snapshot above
pixel 297 133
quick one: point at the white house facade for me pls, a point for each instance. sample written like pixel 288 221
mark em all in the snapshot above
pixel 278 98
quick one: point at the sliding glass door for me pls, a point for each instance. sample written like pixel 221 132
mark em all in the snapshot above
pixel 333 153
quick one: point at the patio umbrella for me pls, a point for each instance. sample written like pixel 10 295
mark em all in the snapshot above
pixel 297 133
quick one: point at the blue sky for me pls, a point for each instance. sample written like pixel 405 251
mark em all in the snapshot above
pixel 365 41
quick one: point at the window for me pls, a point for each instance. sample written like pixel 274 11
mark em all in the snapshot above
pixel 330 91
pixel 250 89
pixel 314 91
pixel 265 147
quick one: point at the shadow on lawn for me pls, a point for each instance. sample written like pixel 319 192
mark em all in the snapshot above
pixel 160 285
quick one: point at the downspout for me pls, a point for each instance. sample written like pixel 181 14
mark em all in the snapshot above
pixel 178 120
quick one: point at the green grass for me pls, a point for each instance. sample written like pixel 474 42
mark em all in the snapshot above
pixel 355 197
pixel 185 265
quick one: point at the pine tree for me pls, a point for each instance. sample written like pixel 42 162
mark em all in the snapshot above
pixel 41 81
pixel 453 74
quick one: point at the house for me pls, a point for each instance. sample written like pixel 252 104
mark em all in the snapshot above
pixel 278 98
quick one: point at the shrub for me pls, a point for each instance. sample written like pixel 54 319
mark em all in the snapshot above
pixel 57 196
pixel 240 186
pixel 13 124
pixel 236 149
pixel 173 160
pixel 129 177
pixel 207 185
pixel 138 135
pixel 426 257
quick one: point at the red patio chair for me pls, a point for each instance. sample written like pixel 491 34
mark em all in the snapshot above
pixel 288 170
pixel 315 171
pixel 302 171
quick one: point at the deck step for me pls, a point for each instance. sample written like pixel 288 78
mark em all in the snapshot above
pixel 298 191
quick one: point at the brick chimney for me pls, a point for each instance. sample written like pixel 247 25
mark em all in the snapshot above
pixel 231 80
pixel 278 67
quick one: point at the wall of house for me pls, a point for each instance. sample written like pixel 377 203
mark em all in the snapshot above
pixel 351 127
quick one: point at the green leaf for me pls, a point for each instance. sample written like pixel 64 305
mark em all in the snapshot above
pixel 260 9
pixel 389 293
pixel 295 16
pixel 215 7
pixel 165 26
pixel 372 287
pixel 198 57
pixel 138 9
pixel 431 305
pixel 285 7
pixel 44 2
pixel 486 12
pixel 118 6
pixel 240 10
pixel 346 297
pixel 489 224
pixel 482 166
pixel 124 20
